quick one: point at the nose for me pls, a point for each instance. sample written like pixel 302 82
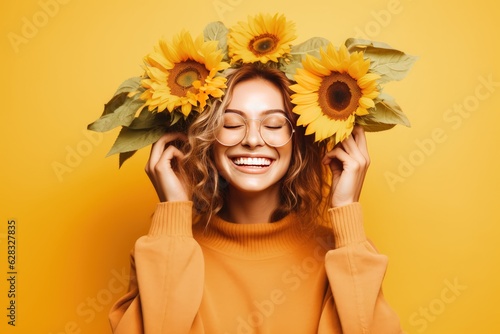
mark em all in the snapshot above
pixel 252 137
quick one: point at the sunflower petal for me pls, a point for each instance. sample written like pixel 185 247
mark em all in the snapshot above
pixel 309 116
pixel 366 102
pixel 304 98
pixel 368 79
pixel 361 111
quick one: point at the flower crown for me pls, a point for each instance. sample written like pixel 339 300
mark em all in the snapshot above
pixel 333 88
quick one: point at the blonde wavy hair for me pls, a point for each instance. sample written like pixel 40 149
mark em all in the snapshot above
pixel 303 186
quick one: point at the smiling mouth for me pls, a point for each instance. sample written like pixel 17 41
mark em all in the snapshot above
pixel 252 162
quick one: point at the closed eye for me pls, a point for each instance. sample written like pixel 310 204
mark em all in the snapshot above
pixel 274 127
pixel 233 126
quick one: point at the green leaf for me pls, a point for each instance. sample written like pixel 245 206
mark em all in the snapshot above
pixel 121 109
pixel 129 85
pixel 289 66
pixel 390 63
pixel 149 119
pixel 310 46
pixel 115 102
pixel 298 53
pixel 124 156
pixel 358 44
pixel 131 140
pixel 374 126
pixel 386 114
pixel 122 116
pixel 216 31
pixel 176 117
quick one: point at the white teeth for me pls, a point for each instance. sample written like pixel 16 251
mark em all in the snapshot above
pixel 252 161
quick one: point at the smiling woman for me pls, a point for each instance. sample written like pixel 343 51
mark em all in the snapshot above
pixel 259 228
pixel 252 166
pixel 260 254
pixel 257 96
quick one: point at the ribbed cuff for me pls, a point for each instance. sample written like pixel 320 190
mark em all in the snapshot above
pixel 347 224
pixel 172 218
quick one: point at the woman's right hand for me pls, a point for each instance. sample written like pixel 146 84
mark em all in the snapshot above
pixel 162 168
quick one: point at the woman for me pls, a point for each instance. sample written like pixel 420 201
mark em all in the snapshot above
pixel 270 250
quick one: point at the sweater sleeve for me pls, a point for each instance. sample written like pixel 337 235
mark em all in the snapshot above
pixel 355 270
pixel 166 277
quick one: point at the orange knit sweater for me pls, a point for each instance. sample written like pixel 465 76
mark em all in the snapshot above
pixel 254 278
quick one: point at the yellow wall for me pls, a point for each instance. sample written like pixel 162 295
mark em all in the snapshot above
pixel 429 201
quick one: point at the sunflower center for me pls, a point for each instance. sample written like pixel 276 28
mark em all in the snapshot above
pixel 339 95
pixel 263 44
pixel 183 74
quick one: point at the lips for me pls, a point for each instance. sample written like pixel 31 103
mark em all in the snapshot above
pixel 252 162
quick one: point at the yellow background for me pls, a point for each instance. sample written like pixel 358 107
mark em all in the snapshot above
pixel 430 201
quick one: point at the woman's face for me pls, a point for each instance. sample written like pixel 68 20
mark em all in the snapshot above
pixel 252 165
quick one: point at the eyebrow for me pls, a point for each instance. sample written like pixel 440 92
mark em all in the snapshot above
pixel 264 112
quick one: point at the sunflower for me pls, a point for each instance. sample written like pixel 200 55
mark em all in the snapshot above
pixel 331 91
pixel 183 74
pixel 263 38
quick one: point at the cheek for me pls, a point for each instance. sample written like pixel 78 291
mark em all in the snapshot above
pixel 219 158
pixel 286 157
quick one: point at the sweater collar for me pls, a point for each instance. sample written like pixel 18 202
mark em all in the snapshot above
pixel 259 240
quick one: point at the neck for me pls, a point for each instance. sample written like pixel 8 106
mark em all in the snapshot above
pixel 250 208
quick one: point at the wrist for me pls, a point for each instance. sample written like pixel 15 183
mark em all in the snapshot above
pixel 337 203
pixel 347 223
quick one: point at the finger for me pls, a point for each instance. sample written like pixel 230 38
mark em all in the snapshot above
pixel 329 156
pixel 351 147
pixel 341 156
pixel 353 163
pixel 355 146
pixel 164 163
pixel 359 135
pixel 159 146
pixel 360 154
pixel 344 174
pixel 360 138
pixel 164 177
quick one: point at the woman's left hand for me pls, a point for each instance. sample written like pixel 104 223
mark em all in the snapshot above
pixel 348 161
